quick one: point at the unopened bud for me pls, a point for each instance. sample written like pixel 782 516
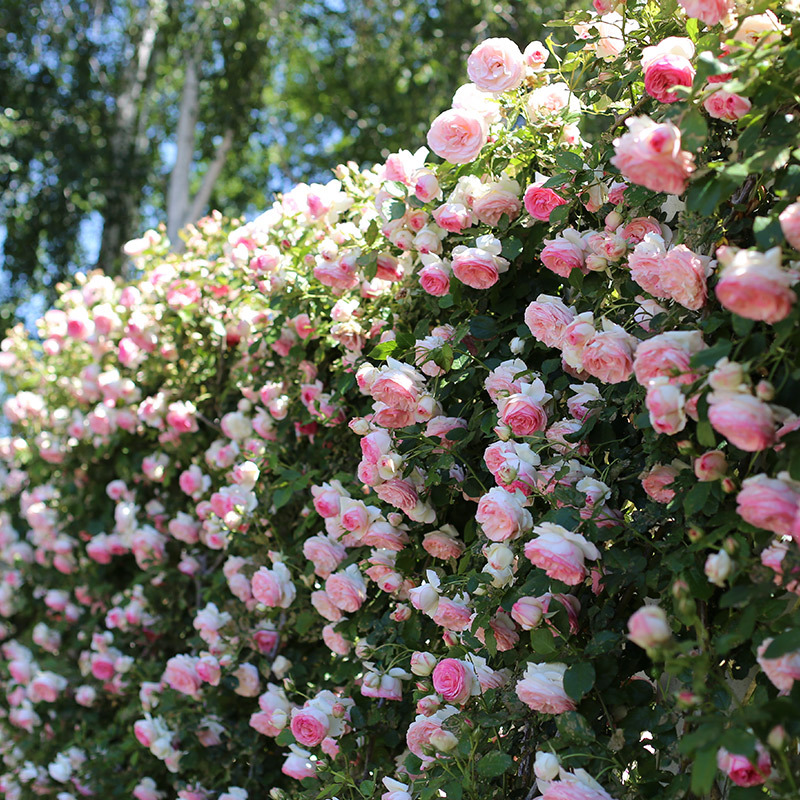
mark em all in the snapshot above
pixel 443 741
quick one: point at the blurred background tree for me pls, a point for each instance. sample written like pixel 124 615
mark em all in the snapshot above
pixel 120 114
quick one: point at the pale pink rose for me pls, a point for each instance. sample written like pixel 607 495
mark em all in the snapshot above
pixel 458 135
pixel 347 590
pixel 527 612
pixel 325 553
pixel 145 732
pixel 426 185
pixel 399 493
pixel 768 503
pixel 248 681
pixel 435 279
pixel 726 105
pixel 560 553
pixel 540 201
pixel 297 764
pixel 451 615
pixel 382 535
pixel 667 354
pixel 683 278
pixel 327 498
pixel 650 154
pixel 574 787
pixel 273 587
pixel 454 680
pixel 754 285
pixel 741 771
pixel 208 670
pixel 790 224
pixel 782 671
pixel 635 230
pixel 496 65
pixel 711 466
pixel 443 545
pixel 523 414
pixel 502 515
pixel 773 557
pixel 422 663
pixel 398 386
pixel 477 267
pixel 608 355
pixel 562 256
pixel 535 56
pixel 181 675
pixel 491 203
pixel 418 735
pixel 666 72
pixel 309 725
pixel 665 402
pixel 439 427
pixel 505 633
pixel 760 26
pixel 146 790
pixel 657 481
pixel 710 12
pixel 648 627
pixel 542 689
pixel 548 101
pixel 547 318
pixel 506 379
pixel 453 217
pixel 745 421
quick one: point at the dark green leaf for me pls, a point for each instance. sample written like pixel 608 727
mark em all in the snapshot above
pixel 494 764
pixel 579 679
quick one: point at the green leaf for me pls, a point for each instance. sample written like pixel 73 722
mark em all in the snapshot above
pixel 396 209
pixel 543 641
pixel 694 131
pixel 453 790
pixel 494 764
pixel 704 770
pixel 512 247
pixel 569 160
pixel 768 232
pixel 285 738
pixel 705 434
pixel 579 679
pixel 697 497
pixel 304 621
pixel 382 351
pixel 280 497
pixel 707 358
pixel 482 327
pixel 366 788
pixel 783 643
pixel 446 301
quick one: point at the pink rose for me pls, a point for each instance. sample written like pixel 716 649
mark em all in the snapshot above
pixel 745 421
pixel 493 202
pixel 740 769
pixel 309 725
pixel 608 356
pixel 711 466
pixel 435 279
pixel 635 230
pixel 547 318
pixel 273 587
pixel 540 201
pixel 768 503
pixel 297 764
pixel 650 154
pixel 496 65
pixel 502 515
pixel 454 680
pixel 442 544
pixel 347 590
pixel 665 402
pixel 480 266
pixel 710 12
pixel 726 105
pixel 451 615
pixel 542 689
pixel 648 627
pixel 783 670
pixel 664 73
pixel 398 386
pixel 527 612
pixel 667 354
pixel 458 135
pixel 535 56
pixel 790 224
pixel 657 481
pixel 399 493
pixel 753 285
pixel 334 640
pixel 523 414
pixel 181 675
pixel 418 736
pixel 325 553
pixel 453 217
pixel 562 256
pixel 560 553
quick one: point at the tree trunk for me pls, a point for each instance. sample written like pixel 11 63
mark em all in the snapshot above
pixel 119 212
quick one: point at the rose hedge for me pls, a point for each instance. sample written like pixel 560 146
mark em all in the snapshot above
pixel 475 479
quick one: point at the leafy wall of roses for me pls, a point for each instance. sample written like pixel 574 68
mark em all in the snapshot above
pixel 476 478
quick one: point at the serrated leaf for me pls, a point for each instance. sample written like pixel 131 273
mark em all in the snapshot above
pixel 382 351
pixel 482 327
pixel 703 770
pixel 697 497
pixel 494 764
pixel 579 679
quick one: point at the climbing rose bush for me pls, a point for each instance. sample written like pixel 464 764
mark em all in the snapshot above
pixel 470 478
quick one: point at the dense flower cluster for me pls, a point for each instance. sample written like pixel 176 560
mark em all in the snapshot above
pixel 469 479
